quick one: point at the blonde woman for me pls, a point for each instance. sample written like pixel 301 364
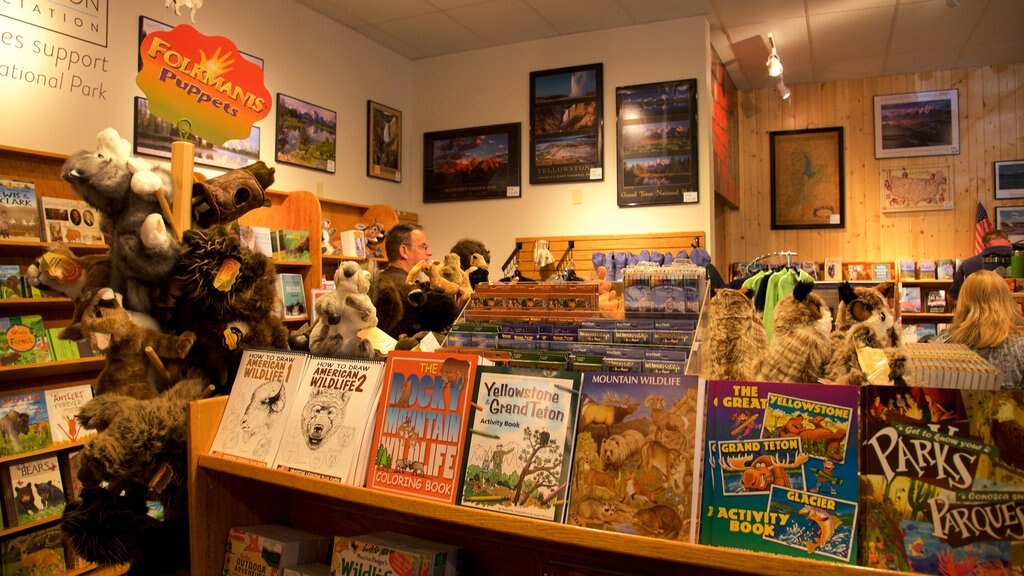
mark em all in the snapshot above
pixel 988 321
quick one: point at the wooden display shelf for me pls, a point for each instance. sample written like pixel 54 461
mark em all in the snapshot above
pixel 335 258
pixel 15 306
pixel 38 248
pixel 924 282
pixel 15 530
pixel 292 263
pixel 42 451
pixel 224 493
pixel 926 315
pixel 43 369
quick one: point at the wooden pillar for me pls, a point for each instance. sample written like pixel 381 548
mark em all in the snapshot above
pixel 182 165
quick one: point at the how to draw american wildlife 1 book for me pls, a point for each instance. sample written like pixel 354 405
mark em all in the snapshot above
pixel 780 469
pixel 634 460
pixel 522 428
pixel 263 390
pixel 420 430
pixel 327 431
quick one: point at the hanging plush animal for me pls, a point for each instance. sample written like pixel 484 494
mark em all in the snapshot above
pixel 76 277
pixel 801 346
pixel 228 197
pixel 343 313
pixel 735 337
pixel 872 327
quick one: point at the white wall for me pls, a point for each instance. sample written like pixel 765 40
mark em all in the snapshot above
pixel 306 56
pixel 491 86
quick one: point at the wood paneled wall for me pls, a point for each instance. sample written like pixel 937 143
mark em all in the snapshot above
pixel 991 128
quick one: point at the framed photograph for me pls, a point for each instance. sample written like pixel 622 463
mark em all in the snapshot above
pixel 472 163
pixel 1009 179
pixel 154 135
pixel 306 134
pixel 566 125
pixel 147 25
pixel 383 142
pixel 808 179
pixel 657 143
pixel 916 188
pixel 917 124
pixel 1010 219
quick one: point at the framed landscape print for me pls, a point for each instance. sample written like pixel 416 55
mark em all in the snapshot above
pixel 154 135
pixel 384 142
pixel 566 125
pixel 917 124
pixel 1010 219
pixel 306 134
pixel 472 163
pixel 1009 176
pixel 657 143
pixel 916 188
pixel 807 175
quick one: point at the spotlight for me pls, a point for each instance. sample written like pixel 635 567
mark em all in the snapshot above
pixel 784 91
pixel 774 64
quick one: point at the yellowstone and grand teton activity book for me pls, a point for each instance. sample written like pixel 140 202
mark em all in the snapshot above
pixel 518 455
pixel 634 459
pixel 420 430
pixel 780 469
pixel 942 480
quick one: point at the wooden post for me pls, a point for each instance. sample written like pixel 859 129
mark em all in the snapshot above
pixel 182 165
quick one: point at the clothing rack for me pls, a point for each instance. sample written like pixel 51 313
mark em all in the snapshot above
pixel 787 253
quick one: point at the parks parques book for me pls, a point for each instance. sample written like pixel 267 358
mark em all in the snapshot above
pixel 518 455
pixel 420 431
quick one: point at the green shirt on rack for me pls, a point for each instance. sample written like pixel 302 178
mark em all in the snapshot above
pixel 780 285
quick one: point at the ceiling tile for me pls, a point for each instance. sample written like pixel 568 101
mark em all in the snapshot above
pixel 388 41
pixel 503 21
pixel 742 12
pixel 449 4
pixel 720 42
pixel 335 11
pixel 571 16
pixel 851 34
pixel 1000 22
pixel 643 11
pixel 921 62
pixel 434 34
pixel 932 25
pixel 1007 52
pixel 850 68
pixel 376 11
pixel 829 6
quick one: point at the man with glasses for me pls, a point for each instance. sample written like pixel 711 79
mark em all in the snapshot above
pixel 405 246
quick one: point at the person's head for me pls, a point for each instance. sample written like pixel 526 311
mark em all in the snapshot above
pixel 985 313
pixel 466 247
pixel 406 244
pixel 995 237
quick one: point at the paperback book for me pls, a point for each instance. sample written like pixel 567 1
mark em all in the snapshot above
pixel 11 285
pixel 364 555
pixel 420 430
pixel 19 214
pixel 292 245
pixel 937 301
pixel 326 432
pixel 780 469
pixel 943 474
pixel 518 455
pixel 62 405
pixel 36 552
pixel 33 490
pixel 25 426
pixel 69 220
pixel 634 461
pixel 908 269
pixel 910 299
pixel 263 391
pixel 926 270
pixel 833 270
pixel 944 269
pixel 293 295
pixel 266 549
pixel 23 340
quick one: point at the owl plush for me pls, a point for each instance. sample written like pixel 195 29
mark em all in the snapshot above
pixel 735 338
pixel 871 324
pixel 801 347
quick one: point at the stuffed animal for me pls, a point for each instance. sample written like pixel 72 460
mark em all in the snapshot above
pixel 124 190
pixel 375 223
pixel 127 367
pixel 226 296
pixel 801 347
pixel 735 337
pixel 227 197
pixel 872 328
pixel 76 277
pixel 326 232
pixel 342 314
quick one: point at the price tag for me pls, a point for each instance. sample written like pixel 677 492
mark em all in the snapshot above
pixel 512 192
pixel 596 173
pixel 690 197
pixel 834 219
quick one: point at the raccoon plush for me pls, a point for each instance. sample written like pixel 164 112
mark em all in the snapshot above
pixel 801 347
pixel 871 324
pixel 735 338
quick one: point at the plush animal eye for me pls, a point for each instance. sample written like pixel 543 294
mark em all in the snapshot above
pixel 883 316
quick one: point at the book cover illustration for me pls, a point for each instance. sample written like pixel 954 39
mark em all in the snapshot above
pixel 926 270
pixel 35 490
pixel 420 432
pixel 833 270
pixel 19 215
pixel 943 480
pixel 293 295
pixel 23 340
pixel 910 299
pixel 62 405
pixel 633 465
pixel 292 245
pixel 324 432
pixel 70 220
pixel 357 555
pixel 24 425
pixel 10 281
pixel 908 269
pixel 264 389
pixel 36 553
pixel 519 449
pixel 937 301
pixel 780 469
pixel 944 269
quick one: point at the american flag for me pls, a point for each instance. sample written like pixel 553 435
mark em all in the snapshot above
pixel 981 226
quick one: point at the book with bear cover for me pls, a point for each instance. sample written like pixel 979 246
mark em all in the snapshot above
pixel 62 405
pixel 23 340
pixel 522 428
pixel 331 416
pixel 263 391
pixel 942 484
pixel 19 214
pixel 33 490
pixel 780 469
pixel 35 552
pixel 420 430
pixel 25 425
pixel 634 460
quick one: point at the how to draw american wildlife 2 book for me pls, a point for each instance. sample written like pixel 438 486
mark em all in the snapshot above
pixel 518 455
pixel 780 469
pixel 420 430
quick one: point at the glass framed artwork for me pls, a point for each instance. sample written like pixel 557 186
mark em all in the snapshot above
pixel 1009 178
pixel 383 142
pixel 1010 219
pixel 566 125
pixel 472 163
pixel 916 188
pixel 306 134
pixel 153 136
pixel 917 124
pixel 808 179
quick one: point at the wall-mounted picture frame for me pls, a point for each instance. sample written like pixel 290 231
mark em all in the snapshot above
pixel 567 124
pixel 917 124
pixel 305 134
pixel 153 136
pixel 917 188
pixel 147 25
pixel 472 163
pixel 383 142
pixel 1009 179
pixel 656 141
pixel 808 183
pixel 1010 219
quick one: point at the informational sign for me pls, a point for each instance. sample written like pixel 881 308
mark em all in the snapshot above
pixel 204 79
pixel 82 19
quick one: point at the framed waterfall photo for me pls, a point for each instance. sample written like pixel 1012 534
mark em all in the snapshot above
pixel 566 125
pixel 383 142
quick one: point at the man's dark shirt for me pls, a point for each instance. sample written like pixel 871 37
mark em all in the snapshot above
pixel 971 265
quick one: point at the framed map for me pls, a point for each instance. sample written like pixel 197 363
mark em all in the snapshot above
pixel 915 188
pixel 807 179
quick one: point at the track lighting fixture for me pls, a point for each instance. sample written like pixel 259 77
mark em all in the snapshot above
pixel 774 64
pixel 784 91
